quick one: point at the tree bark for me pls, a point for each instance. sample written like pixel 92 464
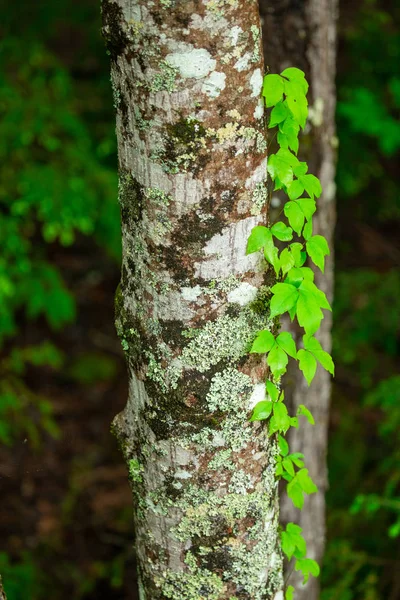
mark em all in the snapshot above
pixel 2 592
pixel 187 78
pixel 303 34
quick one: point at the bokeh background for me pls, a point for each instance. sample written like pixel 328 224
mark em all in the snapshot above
pixel 65 516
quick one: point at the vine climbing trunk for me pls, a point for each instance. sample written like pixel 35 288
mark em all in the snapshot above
pixel 187 79
pixel 304 34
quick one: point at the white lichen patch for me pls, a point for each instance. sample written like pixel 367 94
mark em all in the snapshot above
pixel 243 294
pixel 234 34
pixel 256 81
pixel 195 63
pixel 259 110
pixel 191 294
pixel 243 63
pixel 214 84
pixel 258 395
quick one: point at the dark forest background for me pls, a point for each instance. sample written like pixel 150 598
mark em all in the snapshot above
pixel 65 516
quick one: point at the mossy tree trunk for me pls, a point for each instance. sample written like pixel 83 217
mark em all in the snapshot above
pixel 303 34
pixel 187 78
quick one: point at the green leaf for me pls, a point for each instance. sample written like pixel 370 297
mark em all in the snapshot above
pixel 294 74
pixel 308 206
pixel 308 312
pixel 289 595
pixel 298 106
pixel 294 531
pixel 295 277
pixel 284 298
pixel 282 232
pixel 308 567
pixel 288 141
pixel 272 89
pixel 301 168
pixel 307 484
pixel 308 274
pixel 288 466
pixel 295 216
pixel 261 411
pixel 280 166
pixel 271 255
pixel 288 157
pixel 310 287
pixel 259 237
pixel 295 189
pixel 279 170
pixel 283 140
pixel 286 260
pixel 313 345
pixel 297 459
pixel 278 114
pixel 303 410
pixel 317 249
pixel 307 364
pixel 263 342
pixel 295 249
pixel 281 416
pixel 277 360
pixel 272 390
pixel 294 88
pixel 288 545
pixel 283 445
pixel 286 342
pixel 312 185
pixel 295 493
pixel 307 231
pixel 290 129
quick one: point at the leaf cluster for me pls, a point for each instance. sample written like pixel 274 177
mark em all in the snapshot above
pixel 294 292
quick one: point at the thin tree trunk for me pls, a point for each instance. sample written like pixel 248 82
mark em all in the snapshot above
pixel 187 78
pixel 303 34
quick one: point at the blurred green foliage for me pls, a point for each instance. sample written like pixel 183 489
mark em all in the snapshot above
pixel 22 578
pixel 58 186
pixel 57 180
pixel 363 560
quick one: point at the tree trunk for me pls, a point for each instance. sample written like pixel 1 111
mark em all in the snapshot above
pixel 2 592
pixel 303 34
pixel 187 78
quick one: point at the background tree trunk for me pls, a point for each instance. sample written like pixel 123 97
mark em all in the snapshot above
pixel 303 34
pixel 187 78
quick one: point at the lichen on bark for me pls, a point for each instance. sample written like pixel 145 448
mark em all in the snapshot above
pixel 192 154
